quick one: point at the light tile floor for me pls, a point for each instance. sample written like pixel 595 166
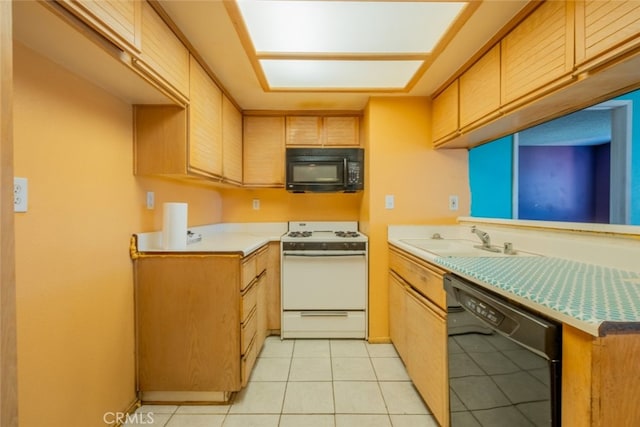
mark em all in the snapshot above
pixel 312 383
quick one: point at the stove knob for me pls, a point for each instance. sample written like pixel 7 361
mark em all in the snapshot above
pixel 324 246
pixel 346 245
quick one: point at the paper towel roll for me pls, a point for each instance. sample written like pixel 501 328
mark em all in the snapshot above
pixel 174 226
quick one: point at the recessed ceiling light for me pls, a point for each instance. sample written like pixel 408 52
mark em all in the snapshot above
pixel 341 44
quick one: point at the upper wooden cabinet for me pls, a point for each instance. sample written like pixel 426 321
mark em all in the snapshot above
pixel 445 113
pixel 538 52
pixel 118 20
pixel 163 55
pixel 322 131
pixel 264 150
pixel 231 142
pixel 480 90
pixel 205 122
pixel 605 30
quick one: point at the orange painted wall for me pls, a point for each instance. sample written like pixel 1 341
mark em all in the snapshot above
pixel 74 279
pixel 402 163
pixel 280 206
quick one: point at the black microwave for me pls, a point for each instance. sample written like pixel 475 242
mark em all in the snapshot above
pixel 325 170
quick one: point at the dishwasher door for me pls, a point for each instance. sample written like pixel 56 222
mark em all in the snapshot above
pixel 504 361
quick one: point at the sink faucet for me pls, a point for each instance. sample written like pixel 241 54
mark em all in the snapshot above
pixel 483 235
pixel 486 240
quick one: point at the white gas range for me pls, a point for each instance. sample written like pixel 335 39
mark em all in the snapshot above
pixel 324 280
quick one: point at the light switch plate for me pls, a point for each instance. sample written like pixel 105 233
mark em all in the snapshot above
pixel 453 203
pixel 389 201
pixel 20 194
pixel 151 200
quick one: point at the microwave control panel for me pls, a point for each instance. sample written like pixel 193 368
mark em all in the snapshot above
pixel 354 173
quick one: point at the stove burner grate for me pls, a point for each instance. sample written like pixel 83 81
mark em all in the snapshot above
pixel 299 234
pixel 347 234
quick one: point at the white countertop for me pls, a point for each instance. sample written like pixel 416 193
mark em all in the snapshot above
pixel 226 237
pixel 581 289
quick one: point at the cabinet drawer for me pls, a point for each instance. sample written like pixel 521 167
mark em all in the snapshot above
pixel 248 360
pixel 248 303
pixel 262 257
pixel 425 280
pixel 249 265
pixel 247 332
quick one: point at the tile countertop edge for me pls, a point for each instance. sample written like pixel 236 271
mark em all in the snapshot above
pixel 242 238
pixel 598 329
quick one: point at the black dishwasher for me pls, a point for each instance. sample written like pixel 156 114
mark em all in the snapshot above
pixel 504 360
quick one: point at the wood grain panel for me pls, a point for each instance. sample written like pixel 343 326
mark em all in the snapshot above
pixel 163 52
pixel 341 131
pixel 577 365
pixel 537 51
pixel 303 130
pixel 426 279
pixel 480 88
pixel 160 140
pixel 187 323
pixel 262 310
pixel 119 20
pixel 205 122
pixel 427 364
pixel 398 315
pixel 248 271
pixel 231 142
pixel 445 113
pixel 8 343
pixel 273 287
pixel 264 148
pixel 605 26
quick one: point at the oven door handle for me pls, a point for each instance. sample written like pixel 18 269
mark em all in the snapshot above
pixel 324 314
pixel 325 254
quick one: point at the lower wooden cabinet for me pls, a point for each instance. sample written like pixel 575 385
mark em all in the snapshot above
pixel 418 327
pixel 201 320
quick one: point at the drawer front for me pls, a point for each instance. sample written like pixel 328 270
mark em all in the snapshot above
pixel 426 281
pixel 248 360
pixel 248 303
pixel 248 271
pixel 350 324
pixel 248 332
pixel 262 258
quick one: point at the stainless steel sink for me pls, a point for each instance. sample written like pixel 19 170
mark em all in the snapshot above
pixel 457 248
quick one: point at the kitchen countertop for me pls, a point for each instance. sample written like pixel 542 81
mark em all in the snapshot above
pixel 225 237
pixel 597 299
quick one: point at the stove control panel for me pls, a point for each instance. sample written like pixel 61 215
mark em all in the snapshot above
pixel 324 246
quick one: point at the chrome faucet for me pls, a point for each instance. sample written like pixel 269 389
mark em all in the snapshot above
pixel 486 239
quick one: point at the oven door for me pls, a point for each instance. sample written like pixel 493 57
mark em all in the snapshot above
pixel 322 280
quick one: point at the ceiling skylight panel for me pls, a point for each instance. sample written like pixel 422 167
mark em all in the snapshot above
pixel 284 26
pixel 292 74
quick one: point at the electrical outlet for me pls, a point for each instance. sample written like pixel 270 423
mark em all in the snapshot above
pixel 151 200
pixel 256 204
pixel 453 203
pixel 389 201
pixel 20 194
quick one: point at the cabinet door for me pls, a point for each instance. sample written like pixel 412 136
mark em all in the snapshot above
pixel 538 52
pixel 231 142
pixel 263 158
pixel 480 89
pixel 304 130
pixel 261 311
pixel 444 114
pixel 397 315
pixel 427 357
pixel 605 29
pixel 118 20
pixel 341 131
pixel 163 55
pixel 205 123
